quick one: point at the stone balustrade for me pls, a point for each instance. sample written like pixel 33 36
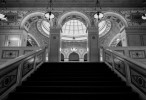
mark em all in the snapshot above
pixel 132 71
pixel 14 71
pixel 8 53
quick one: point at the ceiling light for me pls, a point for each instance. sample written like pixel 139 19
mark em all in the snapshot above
pixel 143 16
pixel 48 15
pixel 98 15
pixel 3 17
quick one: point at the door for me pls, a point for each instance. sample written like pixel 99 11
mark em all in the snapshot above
pixel 73 57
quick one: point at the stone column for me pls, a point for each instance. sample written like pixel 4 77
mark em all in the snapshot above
pixel 93 44
pixel 54 45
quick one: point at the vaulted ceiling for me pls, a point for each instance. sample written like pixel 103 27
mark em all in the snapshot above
pixel 74 3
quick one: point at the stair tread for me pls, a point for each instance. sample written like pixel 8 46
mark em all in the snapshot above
pixel 75 96
pixel 60 81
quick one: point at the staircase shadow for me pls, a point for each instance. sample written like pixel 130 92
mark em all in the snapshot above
pixel 73 81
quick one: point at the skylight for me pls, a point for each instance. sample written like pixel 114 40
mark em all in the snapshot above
pixel 74 28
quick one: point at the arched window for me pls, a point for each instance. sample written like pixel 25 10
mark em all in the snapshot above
pixel 73 57
pixel 104 27
pixel 46 27
pixel 62 57
pixel 74 29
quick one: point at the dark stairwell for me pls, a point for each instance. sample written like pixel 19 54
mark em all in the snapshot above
pixel 73 81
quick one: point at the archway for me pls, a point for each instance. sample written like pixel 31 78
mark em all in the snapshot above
pixel 85 57
pixel 73 57
pixel 37 25
pixel 74 32
pixel 115 26
pixel 62 57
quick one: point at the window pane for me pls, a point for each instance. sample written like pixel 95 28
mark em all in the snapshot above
pixel 67 27
pixel 74 28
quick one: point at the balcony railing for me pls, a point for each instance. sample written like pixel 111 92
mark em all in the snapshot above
pixel 133 72
pixel 8 53
pixel 14 71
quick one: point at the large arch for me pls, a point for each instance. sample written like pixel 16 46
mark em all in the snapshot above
pixel 32 17
pixel 74 56
pixel 71 13
pixel 118 25
pixel 110 13
pixel 30 25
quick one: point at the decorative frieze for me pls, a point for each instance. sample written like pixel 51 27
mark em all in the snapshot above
pixel 8 77
pixel 67 51
pixel 138 79
pixel 16 15
pixel 10 54
pixel 137 54
pixel 28 65
pixel 119 66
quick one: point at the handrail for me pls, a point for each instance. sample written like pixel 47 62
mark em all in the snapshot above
pixel 13 72
pixel 130 70
pixel 18 59
pixel 142 65
pixel 136 52
pixel 8 53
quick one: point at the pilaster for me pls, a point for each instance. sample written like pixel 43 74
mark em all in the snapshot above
pixel 93 45
pixel 54 52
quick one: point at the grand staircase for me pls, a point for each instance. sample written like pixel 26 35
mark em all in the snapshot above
pixel 73 81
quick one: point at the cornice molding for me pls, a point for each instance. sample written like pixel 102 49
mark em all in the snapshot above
pixel 23 12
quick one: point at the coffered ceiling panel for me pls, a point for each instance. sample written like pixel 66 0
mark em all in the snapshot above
pixel 74 3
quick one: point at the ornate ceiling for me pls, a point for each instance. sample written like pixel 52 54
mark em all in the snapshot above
pixel 74 3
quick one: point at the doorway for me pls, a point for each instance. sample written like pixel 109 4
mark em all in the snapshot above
pixel 73 57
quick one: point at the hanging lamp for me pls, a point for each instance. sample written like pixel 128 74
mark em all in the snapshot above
pixel 49 15
pixel 2 15
pixel 99 15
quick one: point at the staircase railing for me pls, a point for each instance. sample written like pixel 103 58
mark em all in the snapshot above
pixel 130 70
pixel 134 52
pixel 8 53
pixel 13 72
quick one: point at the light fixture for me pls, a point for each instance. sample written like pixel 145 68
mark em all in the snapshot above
pixel 99 14
pixel 48 15
pixel 143 16
pixel 3 17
